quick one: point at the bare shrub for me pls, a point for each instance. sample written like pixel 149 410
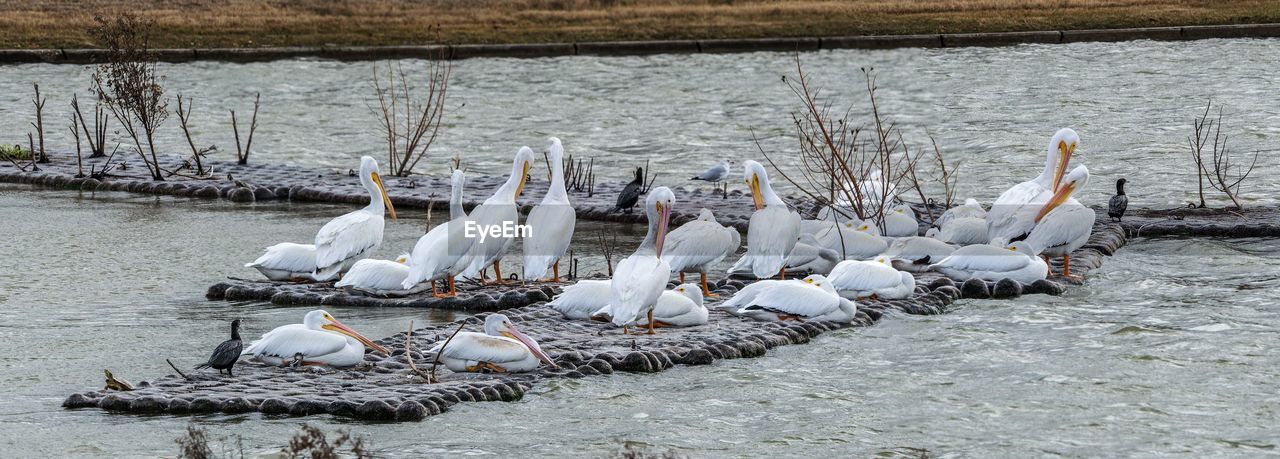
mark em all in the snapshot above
pixel 98 138
pixel 410 116
pixel 1219 170
pixel 39 124
pixel 242 154
pixel 129 85
pixel 197 154
pixel 195 445
pixel 311 443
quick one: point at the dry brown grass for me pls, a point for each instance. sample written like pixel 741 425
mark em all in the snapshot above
pixel 241 23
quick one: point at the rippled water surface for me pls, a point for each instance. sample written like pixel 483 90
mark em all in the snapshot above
pixel 1166 350
pixel 993 109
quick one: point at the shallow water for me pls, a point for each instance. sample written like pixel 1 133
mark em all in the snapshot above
pixel 992 109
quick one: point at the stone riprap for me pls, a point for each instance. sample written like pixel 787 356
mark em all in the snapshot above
pixel 470 297
pixel 385 387
pixel 1255 221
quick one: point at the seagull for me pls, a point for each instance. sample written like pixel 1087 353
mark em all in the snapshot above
pixel 716 173
pixel 1119 203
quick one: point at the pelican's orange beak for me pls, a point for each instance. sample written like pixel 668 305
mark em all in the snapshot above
pixel 1064 158
pixel 515 333
pixel 386 200
pixel 1057 200
pixel 336 326
pixel 524 175
pixel 754 183
pixel 664 216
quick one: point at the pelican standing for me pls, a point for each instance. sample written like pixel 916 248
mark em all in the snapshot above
pixel 494 221
pixel 442 253
pixel 1017 261
pixel 915 254
pixel 354 236
pixel 502 348
pixel 639 279
pixel 319 340
pixel 551 223
pixel 813 299
pixel 1064 225
pixel 773 229
pixel 679 307
pixel 698 245
pixel 287 261
pixel 874 279
pixel 376 275
pixel 579 301
pixel 1012 214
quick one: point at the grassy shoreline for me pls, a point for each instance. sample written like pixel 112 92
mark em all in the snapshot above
pixel 244 24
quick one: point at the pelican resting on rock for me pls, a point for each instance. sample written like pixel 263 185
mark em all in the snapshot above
pixel 1017 261
pixel 287 261
pixel 551 223
pixel 582 299
pixel 875 279
pixel 772 231
pixel 971 209
pixel 964 231
pixel 812 299
pixel 319 340
pixel 856 239
pixel 227 353
pixel 915 254
pixel 698 245
pixel 376 275
pixel 502 348
pixel 679 307
pixel 639 279
pixel 900 221
pixel 810 257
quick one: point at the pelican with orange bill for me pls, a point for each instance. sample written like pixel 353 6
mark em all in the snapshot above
pixel 502 348
pixel 772 231
pixel 1063 224
pixel 319 340
pixel 1012 214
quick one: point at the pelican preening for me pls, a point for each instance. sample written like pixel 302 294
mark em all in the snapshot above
pixel 319 340
pixel 497 212
pixel 501 348
pixel 1063 224
pixel 773 229
pixel 639 279
pixel 443 252
pixel 696 246
pixel 376 275
pixel 339 244
pixel 1013 214
pixel 1017 261
pixel 227 353
pixel 551 223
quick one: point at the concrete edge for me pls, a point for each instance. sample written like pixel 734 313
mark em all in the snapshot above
pixel 630 48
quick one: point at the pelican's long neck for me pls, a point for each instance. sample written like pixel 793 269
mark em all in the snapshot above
pixel 455 199
pixel 556 192
pixel 766 192
pixel 650 243
pixel 507 192
pixel 1045 178
pixel 375 194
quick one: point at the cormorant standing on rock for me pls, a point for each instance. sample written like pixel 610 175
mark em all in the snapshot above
pixel 226 354
pixel 630 193
pixel 1118 203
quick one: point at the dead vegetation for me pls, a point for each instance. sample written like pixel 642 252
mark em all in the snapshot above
pixel 310 442
pixel 410 114
pixel 129 85
pixel 242 153
pixel 1219 169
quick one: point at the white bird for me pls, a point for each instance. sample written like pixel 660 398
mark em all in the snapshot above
pixel 748 294
pixel 964 231
pixel 287 261
pixel 915 254
pixel 1012 215
pixel 872 279
pixel 855 239
pixel 579 301
pixel 354 236
pixel 495 221
pixel 698 245
pixel 502 348
pixel 377 275
pixel 442 253
pixel 679 307
pixel 813 299
pixel 639 279
pixel 971 209
pixel 550 223
pixel 900 221
pixel 1016 261
pixel 773 229
pixel 319 340
pixel 1064 225
pixel 715 173
pixel 810 257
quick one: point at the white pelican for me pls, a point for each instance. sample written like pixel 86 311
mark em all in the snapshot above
pixel 971 209
pixel 915 254
pixel 698 245
pixel 813 299
pixel 857 240
pixel 809 256
pixel 1015 261
pixel 496 214
pixel 502 348
pixel 582 299
pixel 900 221
pixel 1012 214
pixel 377 275
pixel 352 237
pixel 874 279
pixel 287 261
pixel 550 223
pixel 1064 225
pixel 964 231
pixel 748 294
pixel 319 340
pixel 773 229
pixel 442 253
pixel 639 279
pixel 679 307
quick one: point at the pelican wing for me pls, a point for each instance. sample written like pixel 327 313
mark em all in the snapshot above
pixel 1013 213
pixel 346 237
pixel 1064 225
pixel 488 216
pixel 796 299
pixel 375 275
pixel 551 229
pixel 290 340
pixel 479 347
pixel 637 283
pixel 771 234
pixel 580 300
pixel 287 256
pixel 696 245
pixel 864 276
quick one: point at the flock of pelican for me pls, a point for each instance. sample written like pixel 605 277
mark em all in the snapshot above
pixel 845 259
